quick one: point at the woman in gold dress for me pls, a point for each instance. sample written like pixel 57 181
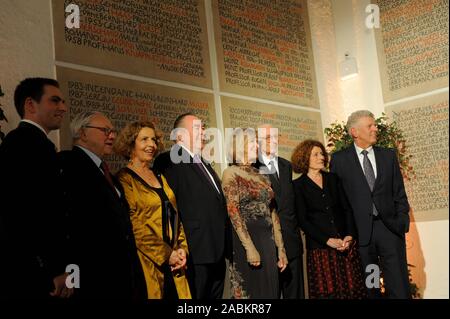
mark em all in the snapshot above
pixel 160 238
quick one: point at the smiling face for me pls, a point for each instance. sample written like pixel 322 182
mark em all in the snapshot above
pixel 95 139
pixel 145 146
pixel 316 159
pixel 49 111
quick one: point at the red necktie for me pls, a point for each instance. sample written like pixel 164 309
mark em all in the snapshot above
pixel 108 176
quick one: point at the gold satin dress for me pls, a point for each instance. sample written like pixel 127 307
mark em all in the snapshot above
pixel 146 217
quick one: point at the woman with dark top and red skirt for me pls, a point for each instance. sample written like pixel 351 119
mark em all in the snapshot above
pixel 333 263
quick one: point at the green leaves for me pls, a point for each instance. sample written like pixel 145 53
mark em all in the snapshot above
pixel 389 136
pixel 337 137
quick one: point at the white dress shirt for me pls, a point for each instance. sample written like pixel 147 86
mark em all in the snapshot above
pixel 267 161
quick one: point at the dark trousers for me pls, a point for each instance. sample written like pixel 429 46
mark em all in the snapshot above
pixel 207 280
pixel 388 251
pixel 291 279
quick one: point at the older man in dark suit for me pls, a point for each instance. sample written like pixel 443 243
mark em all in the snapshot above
pixel 31 217
pixel 374 186
pixel 279 171
pixel 202 207
pixel 101 240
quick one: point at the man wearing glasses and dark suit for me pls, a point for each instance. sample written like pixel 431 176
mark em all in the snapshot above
pixel 100 236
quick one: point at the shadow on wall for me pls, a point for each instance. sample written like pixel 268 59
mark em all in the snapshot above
pixel 416 260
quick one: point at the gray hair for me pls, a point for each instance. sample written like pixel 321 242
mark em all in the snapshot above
pixel 80 120
pixel 354 118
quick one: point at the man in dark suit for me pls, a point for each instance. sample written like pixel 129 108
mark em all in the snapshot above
pixel 31 217
pixel 100 235
pixel 202 207
pixel 374 186
pixel 279 171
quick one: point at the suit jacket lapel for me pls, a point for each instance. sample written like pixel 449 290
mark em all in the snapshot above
pixel 276 186
pixel 215 177
pixel 97 173
pixel 283 170
pixel 378 159
pixel 45 139
pixel 201 174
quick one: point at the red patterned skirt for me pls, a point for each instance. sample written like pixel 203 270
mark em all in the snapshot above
pixel 335 275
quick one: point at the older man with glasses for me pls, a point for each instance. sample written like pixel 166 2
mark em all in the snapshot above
pixel 100 235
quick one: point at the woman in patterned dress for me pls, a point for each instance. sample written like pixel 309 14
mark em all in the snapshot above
pixel 258 249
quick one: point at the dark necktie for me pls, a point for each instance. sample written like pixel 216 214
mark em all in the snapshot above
pixel 273 169
pixel 197 161
pixel 370 175
pixel 108 176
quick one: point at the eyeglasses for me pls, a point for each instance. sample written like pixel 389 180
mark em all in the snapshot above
pixel 105 130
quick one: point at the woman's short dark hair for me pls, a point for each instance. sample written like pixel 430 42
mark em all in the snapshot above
pixel 126 139
pixel 302 153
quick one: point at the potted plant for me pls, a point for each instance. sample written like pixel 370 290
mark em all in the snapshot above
pixel 2 117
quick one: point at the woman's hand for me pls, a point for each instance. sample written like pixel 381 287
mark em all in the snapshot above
pixel 182 254
pixel 253 257
pixel 335 243
pixel 346 243
pixel 177 259
pixel 174 258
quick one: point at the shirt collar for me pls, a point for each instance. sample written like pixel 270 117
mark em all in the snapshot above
pixel 359 149
pixel 35 124
pixel 97 160
pixel 187 150
pixel 266 159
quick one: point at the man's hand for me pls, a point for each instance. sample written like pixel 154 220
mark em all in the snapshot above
pixel 61 290
pixel 282 264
